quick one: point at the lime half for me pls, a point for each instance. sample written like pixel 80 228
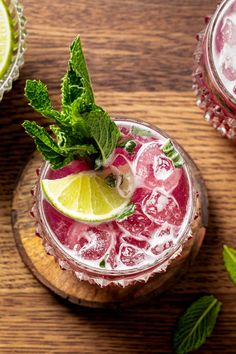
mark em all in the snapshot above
pixel 84 196
pixel 5 38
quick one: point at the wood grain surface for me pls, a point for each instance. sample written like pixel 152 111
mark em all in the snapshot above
pixel 140 58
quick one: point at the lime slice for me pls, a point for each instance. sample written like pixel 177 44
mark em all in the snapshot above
pixel 5 38
pixel 84 196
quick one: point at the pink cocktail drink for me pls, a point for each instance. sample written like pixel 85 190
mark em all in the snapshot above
pixel 155 242
pixel 215 69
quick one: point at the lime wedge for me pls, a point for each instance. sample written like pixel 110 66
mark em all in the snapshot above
pixel 84 196
pixel 5 38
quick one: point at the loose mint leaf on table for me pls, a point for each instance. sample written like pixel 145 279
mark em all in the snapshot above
pixel 81 129
pixel 196 324
pixel 229 254
pixel 170 151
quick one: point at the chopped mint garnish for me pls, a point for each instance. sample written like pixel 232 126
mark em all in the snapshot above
pixel 196 324
pixel 229 254
pixel 170 151
pixel 128 145
pixel 128 211
pixel 102 264
pixel 141 132
pixel 111 180
pixel 81 129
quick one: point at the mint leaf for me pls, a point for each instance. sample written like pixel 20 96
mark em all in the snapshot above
pixel 103 131
pixel 47 146
pixel 102 264
pixel 141 132
pixel 35 131
pixel 128 211
pixel 230 262
pixel 76 82
pixel 77 60
pixel 37 94
pixel 78 119
pixel 82 150
pixel 56 160
pixel 196 324
pixel 60 135
pixel 170 151
pixel 129 145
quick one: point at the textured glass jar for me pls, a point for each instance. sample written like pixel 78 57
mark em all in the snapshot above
pixel 161 273
pixel 212 88
pixel 19 33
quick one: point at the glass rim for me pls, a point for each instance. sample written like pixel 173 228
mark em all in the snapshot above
pixel 170 254
pixel 210 56
pixel 12 73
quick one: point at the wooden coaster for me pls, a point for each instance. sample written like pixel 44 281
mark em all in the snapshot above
pixel 62 282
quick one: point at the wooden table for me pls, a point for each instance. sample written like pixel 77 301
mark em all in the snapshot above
pixel 140 57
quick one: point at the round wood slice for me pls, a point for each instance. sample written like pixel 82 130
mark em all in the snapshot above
pixel 63 282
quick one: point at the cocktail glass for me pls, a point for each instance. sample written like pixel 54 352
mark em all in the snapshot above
pixel 214 76
pixel 157 243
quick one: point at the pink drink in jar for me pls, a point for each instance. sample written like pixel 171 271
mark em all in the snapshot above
pixel 215 69
pixel 156 242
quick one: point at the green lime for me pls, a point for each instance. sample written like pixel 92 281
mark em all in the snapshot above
pixel 84 196
pixel 5 38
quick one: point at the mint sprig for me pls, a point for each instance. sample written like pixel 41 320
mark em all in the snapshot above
pixel 170 151
pixel 196 324
pixel 81 129
pixel 229 255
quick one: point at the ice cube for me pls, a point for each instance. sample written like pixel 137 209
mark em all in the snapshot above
pixel 135 241
pixel 135 224
pixel 162 167
pixel 99 242
pixel 228 60
pixel 77 236
pixel 166 231
pixel 160 208
pixel 131 256
pixel 160 248
pixel 145 164
pixel 228 32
